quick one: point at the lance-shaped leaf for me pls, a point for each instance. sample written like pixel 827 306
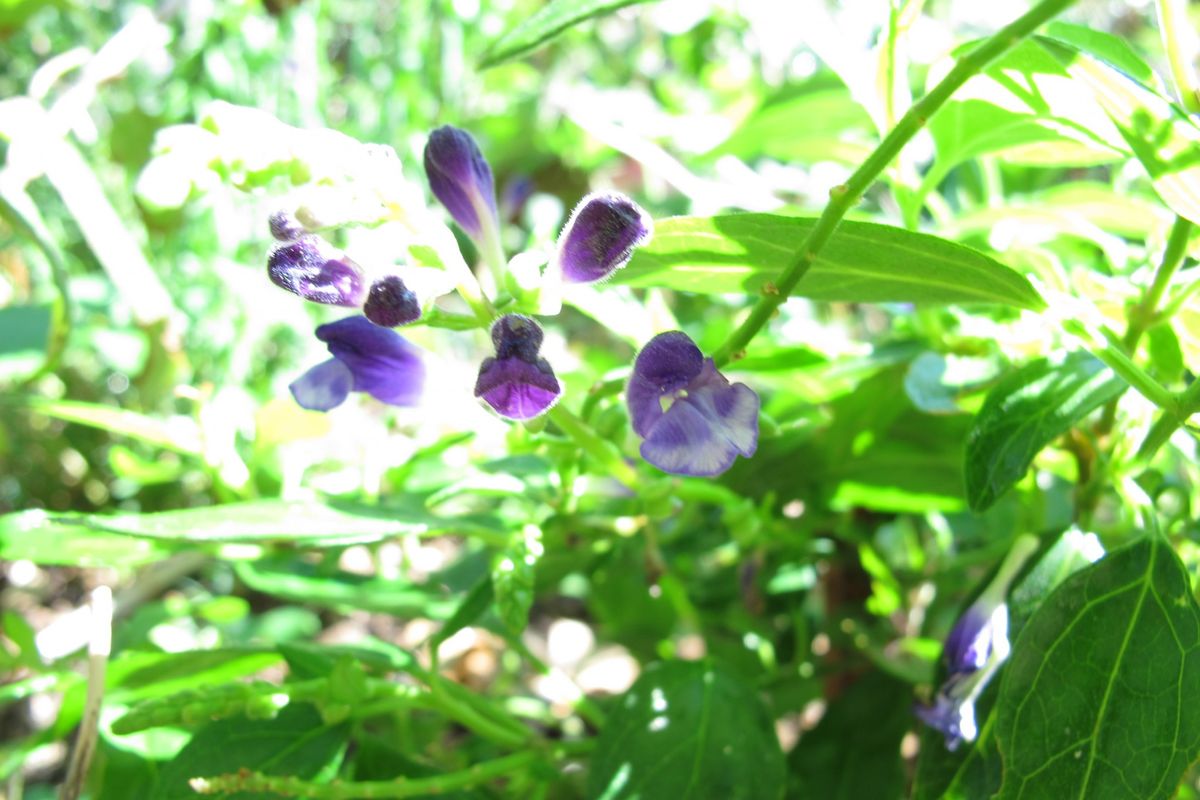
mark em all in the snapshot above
pixel 862 263
pixel 1098 696
pixel 1025 412
pixel 546 23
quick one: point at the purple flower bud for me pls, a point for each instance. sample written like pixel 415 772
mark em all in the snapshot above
pixel 953 712
pixel 516 383
pixel 307 267
pixel 693 420
pixel 981 631
pixel 460 178
pixel 391 303
pixel 285 227
pixel 366 358
pixel 600 236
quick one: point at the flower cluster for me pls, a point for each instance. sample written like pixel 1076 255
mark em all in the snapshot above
pixel 692 420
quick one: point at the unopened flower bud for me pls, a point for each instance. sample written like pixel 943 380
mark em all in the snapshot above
pixel 391 303
pixel 600 237
pixel 309 268
pixel 460 178
pixel 285 227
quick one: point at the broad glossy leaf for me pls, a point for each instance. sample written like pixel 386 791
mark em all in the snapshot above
pixel 547 22
pixel 863 262
pixel 295 743
pixel 687 730
pixel 854 752
pixel 312 524
pixel 1097 699
pixel 1025 412
pixel 1161 135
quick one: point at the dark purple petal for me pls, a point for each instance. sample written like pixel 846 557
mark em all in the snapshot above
pixel 953 717
pixel 391 303
pixel 323 387
pixel 460 178
pixel 702 433
pixel 600 236
pixel 517 335
pixel 383 364
pixel 515 388
pixel 285 227
pixel 971 639
pixel 307 268
pixel 667 364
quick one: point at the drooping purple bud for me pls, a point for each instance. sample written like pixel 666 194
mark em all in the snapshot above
pixel 391 303
pixel 460 178
pixel 366 358
pixel 517 383
pixel 693 420
pixel 285 227
pixel 600 237
pixel 307 267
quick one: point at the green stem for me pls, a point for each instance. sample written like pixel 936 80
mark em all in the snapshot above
pixel 1136 377
pixel 1172 17
pixel 512 734
pixel 605 452
pixel 1176 301
pixel 401 787
pixel 842 198
pixel 1188 403
pixel 1145 313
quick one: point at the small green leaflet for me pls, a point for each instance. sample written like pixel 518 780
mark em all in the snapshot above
pixel 1097 699
pixel 548 22
pixel 687 730
pixel 1025 412
pixel 863 262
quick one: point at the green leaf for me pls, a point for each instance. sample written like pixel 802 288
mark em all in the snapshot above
pixel 472 607
pixel 179 434
pixel 295 743
pixel 311 524
pixel 1026 411
pixel 1097 698
pixel 816 125
pixel 549 21
pixel 863 262
pixel 513 575
pixel 1106 46
pixel 1161 135
pixel 33 536
pixel 24 339
pixel 855 749
pixel 687 730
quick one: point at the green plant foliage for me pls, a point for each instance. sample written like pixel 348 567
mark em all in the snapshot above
pixel 1060 718
pixel 546 23
pixel 687 730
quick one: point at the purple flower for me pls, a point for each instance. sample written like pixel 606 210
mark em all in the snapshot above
pixel 693 420
pixel 600 236
pixel 517 383
pixel 312 269
pixel 953 711
pixel 285 227
pixel 366 358
pixel 461 179
pixel 391 303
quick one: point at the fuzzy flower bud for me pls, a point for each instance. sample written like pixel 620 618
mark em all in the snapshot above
pixel 600 237
pixel 391 303
pixel 310 268
pixel 460 178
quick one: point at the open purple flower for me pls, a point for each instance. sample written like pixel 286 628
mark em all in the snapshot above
pixel 366 358
pixel 309 267
pixel 600 236
pixel 693 420
pixel 460 178
pixel 391 303
pixel 517 383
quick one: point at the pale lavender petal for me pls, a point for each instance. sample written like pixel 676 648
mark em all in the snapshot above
pixel 731 410
pixel 600 237
pixel 976 636
pixel 323 387
pixel 517 335
pixel 667 364
pixel 383 364
pixel 460 178
pixel 517 389
pixel 391 303
pixel 307 267
pixel 683 442
pixel 954 718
